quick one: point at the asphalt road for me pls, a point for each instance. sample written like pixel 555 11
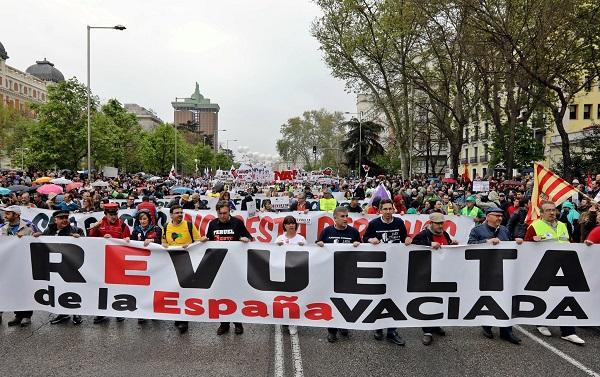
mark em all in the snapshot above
pixel 156 349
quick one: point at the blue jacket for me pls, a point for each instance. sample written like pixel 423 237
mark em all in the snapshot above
pixel 69 207
pixel 482 233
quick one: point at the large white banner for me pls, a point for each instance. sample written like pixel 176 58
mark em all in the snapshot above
pixel 364 287
pixel 265 226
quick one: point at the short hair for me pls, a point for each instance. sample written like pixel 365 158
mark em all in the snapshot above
pixel 221 204
pixel 523 203
pixel 289 219
pixel 174 207
pixel 546 202
pixel 385 201
pixel 338 210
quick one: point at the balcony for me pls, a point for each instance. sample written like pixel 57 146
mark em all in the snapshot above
pixel 483 159
pixel 463 161
pixel 473 159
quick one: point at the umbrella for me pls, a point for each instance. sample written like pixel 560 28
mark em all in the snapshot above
pixel 218 187
pixel 512 183
pixel 61 181
pixel 47 189
pixel 100 184
pixel 154 179
pixel 182 190
pixel 43 180
pixel 448 180
pixel 73 186
pixel 4 191
pixel 19 188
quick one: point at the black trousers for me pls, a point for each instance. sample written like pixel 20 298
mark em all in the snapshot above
pixel 25 314
pixel 503 330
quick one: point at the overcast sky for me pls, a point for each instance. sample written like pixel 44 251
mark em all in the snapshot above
pixel 255 58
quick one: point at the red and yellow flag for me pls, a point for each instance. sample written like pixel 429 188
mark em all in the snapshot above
pixel 547 186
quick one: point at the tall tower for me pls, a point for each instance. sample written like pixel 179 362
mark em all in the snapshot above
pixel 198 115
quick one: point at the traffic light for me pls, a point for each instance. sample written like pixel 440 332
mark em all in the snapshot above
pixel 314 149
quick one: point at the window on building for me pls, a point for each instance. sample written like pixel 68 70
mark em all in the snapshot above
pixel 573 112
pixel 485 150
pixel 484 173
pixel 598 113
pixel 466 153
pixel 476 136
pixel 475 150
pixel 474 173
pixel 587 111
pixel 16 87
pixel 466 135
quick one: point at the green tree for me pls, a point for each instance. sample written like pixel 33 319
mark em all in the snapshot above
pixel 557 50
pixel 585 153
pixel 363 135
pixel 369 45
pixel 127 143
pixel 527 149
pixel 318 128
pixel 158 150
pixel 60 136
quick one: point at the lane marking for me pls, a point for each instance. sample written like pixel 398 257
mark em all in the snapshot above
pixel 279 366
pixel 558 352
pixel 296 354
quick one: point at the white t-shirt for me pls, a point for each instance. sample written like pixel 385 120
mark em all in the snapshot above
pixel 297 239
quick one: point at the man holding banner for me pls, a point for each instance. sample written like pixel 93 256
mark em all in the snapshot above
pixel 340 232
pixel 62 227
pixel 387 229
pixel 549 229
pixel 14 226
pixel 227 228
pixel 435 237
pixel 110 227
pixel 182 233
pixel 491 231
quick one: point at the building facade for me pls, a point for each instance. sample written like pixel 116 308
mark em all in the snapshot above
pixel 198 115
pixel 18 88
pixel 147 119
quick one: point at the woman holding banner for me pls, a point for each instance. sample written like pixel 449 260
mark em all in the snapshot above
pixel 290 237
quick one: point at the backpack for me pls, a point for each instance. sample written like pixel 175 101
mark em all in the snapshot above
pixel 189 226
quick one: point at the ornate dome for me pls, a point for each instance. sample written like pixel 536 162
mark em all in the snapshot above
pixel 44 70
pixel 3 54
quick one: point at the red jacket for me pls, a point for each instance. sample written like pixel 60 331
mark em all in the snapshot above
pixel 117 230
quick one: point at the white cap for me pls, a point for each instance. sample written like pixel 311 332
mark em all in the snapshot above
pixel 15 209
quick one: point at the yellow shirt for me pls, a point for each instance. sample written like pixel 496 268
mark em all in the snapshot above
pixel 179 234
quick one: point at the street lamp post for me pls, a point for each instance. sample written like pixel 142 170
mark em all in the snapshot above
pixel 89 122
pixel 22 150
pixel 227 142
pixel 216 139
pixel 359 141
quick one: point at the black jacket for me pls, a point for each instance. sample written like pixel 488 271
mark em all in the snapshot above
pixel 51 230
pixel 425 237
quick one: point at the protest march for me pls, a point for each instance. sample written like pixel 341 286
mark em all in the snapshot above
pixel 342 254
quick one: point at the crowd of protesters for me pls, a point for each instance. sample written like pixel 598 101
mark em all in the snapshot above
pixel 499 215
